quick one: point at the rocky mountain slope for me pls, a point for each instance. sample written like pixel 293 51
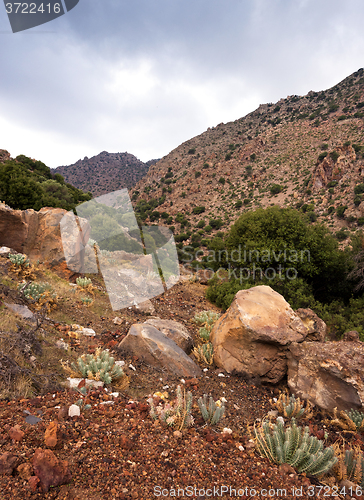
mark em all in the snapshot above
pixel 105 172
pixel 303 151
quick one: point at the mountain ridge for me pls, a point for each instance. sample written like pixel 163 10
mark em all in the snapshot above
pixel 286 153
pixel 105 172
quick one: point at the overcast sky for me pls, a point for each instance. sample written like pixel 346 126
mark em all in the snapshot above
pixel 143 76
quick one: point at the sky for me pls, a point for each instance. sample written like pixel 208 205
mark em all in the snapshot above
pixel 143 76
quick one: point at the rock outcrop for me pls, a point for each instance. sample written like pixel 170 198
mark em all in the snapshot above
pixel 37 234
pixel 329 374
pixel 252 337
pixel 156 349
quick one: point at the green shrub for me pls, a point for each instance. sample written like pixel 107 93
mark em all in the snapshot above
pixel 340 211
pixel 192 151
pixel 275 189
pixel 334 155
pixel 197 174
pixel 198 210
pixel 359 188
pixel 222 180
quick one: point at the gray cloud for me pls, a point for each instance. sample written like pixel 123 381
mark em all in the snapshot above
pixel 145 76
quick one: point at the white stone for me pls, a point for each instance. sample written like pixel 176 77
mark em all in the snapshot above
pixel 74 410
pixel 5 250
pixel 73 382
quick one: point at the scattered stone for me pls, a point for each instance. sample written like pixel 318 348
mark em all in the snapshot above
pixel 158 350
pixel 49 469
pixel 23 311
pixel 5 250
pixel 74 411
pixel 25 470
pixel 33 482
pixel 329 374
pixel 80 330
pixel 16 433
pixel 117 321
pixel 74 382
pixel 62 413
pixel 145 307
pixel 7 463
pixel 174 331
pixel 50 435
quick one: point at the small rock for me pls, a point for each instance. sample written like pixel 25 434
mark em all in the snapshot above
pixel 352 336
pixel 49 469
pixel 117 321
pixel 74 410
pixel 145 307
pixel 16 433
pixel 23 311
pixel 4 250
pixel 33 482
pixel 286 469
pixel 25 470
pixel 50 435
pixel 7 463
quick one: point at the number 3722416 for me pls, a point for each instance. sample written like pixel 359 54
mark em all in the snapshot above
pixel 32 8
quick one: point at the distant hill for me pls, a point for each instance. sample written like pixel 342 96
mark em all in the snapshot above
pixel 305 152
pixel 105 172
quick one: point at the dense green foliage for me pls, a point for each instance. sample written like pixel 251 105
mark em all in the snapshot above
pixel 26 183
pixel 301 261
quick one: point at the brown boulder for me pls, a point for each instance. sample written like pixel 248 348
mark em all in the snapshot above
pixel 155 348
pixel 251 338
pixel 49 469
pixel 329 374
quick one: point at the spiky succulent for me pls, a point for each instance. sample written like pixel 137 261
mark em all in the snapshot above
pixel 204 353
pixel 210 411
pixel 83 282
pixel 290 407
pixel 206 319
pixel 294 446
pixel 18 259
pixel 350 420
pixel 98 366
pixel 176 415
pixel 350 465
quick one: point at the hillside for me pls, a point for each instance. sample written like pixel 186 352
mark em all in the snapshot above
pixel 105 172
pixel 303 151
pixel 114 449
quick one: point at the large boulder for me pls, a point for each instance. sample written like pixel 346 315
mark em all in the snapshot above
pixel 251 338
pixel 174 331
pixel 36 234
pixel 155 348
pixel 329 374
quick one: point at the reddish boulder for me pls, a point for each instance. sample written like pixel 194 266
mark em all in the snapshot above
pixel 49 469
